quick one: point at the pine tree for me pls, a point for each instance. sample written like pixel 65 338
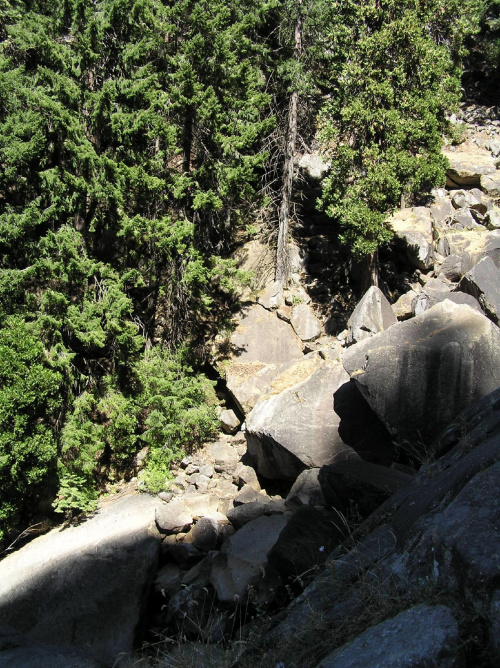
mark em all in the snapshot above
pixel 294 69
pixel 383 123
pixel 130 152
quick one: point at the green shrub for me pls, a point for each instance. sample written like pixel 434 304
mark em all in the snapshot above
pixel 168 407
pixel 98 439
pixel 179 408
pixel 30 399
pixel 74 493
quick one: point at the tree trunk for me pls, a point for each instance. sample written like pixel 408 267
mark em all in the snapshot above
pixel 369 272
pixel 282 254
pixel 187 140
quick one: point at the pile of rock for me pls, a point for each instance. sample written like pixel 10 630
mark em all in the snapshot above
pixel 228 545
pixel 331 422
pixel 429 553
pixel 482 124
pixel 331 415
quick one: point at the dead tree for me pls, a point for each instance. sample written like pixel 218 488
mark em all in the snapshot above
pixel 282 273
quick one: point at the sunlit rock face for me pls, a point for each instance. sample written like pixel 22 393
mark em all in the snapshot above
pixel 260 344
pixel 309 415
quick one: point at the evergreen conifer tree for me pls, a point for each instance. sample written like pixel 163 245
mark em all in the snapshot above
pixel 387 111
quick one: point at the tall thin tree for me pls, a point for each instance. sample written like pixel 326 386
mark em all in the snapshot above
pixel 282 253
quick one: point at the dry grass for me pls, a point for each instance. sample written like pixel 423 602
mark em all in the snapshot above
pixel 373 598
pixel 302 634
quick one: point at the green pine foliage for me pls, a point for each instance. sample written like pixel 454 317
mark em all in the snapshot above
pixel 130 152
pixel 383 123
pixel 137 141
pixel 30 407
pixel 178 410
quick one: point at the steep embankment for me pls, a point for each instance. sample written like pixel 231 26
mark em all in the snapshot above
pixel 319 486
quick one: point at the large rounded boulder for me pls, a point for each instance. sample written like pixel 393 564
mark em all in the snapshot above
pixel 420 374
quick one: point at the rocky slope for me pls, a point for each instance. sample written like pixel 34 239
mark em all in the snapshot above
pixel 349 515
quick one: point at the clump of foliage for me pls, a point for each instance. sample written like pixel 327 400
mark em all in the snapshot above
pixel 384 121
pixel 135 139
pixel 130 137
pixel 30 406
pixel 167 407
pixel 179 410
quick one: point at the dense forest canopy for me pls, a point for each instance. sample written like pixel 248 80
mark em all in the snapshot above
pixel 139 140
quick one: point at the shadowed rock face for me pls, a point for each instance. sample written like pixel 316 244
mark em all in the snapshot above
pixel 306 541
pixel 465 533
pixel 19 651
pixel 413 229
pixel 437 536
pixel 44 656
pixel 243 556
pixel 420 374
pixel 85 587
pixel 368 483
pixel 483 282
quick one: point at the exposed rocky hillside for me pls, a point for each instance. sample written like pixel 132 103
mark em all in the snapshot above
pixel 349 513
